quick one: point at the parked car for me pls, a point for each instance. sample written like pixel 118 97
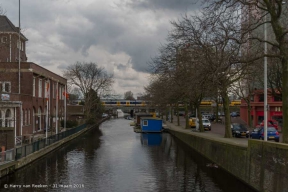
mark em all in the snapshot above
pixel 206 124
pixel 212 117
pixel 270 123
pixel 181 113
pixel 272 134
pixel 206 116
pixel 192 122
pixel 239 130
pixel 104 115
pixel 233 114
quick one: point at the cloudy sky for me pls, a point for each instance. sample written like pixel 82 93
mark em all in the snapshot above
pixel 120 35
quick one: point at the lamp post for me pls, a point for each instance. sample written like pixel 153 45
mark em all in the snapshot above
pixel 265 79
pixel 19 47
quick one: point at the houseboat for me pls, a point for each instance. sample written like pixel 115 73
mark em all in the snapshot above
pixel 150 124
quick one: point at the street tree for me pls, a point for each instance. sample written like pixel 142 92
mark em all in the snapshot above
pixel 218 51
pixel 257 17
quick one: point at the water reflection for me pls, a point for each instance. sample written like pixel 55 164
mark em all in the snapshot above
pixel 113 159
pixel 151 138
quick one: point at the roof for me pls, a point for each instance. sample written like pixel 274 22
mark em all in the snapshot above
pixel 7 26
pixel 150 118
pixel 144 115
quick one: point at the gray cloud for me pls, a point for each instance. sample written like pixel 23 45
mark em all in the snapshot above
pixel 61 32
pixel 121 67
pixel 179 5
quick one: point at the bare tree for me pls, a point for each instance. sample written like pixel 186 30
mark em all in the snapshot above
pixel 255 14
pixel 218 52
pixel 128 95
pixel 92 81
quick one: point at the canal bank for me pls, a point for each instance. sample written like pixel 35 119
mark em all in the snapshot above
pixel 261 165
pixel 11 167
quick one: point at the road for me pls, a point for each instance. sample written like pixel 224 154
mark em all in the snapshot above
pixel 219 128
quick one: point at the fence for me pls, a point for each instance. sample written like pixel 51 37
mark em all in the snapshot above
pixel 7 156
pixel 40 144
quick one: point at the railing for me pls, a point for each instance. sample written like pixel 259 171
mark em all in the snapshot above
pixel 42 143
pixel 6 156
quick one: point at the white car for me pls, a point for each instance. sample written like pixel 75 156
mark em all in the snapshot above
pixel 206 124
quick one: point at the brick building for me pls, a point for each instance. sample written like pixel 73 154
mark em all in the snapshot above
pixel 32 100
pixel 25 92
pixel 257 108
pixel 9 42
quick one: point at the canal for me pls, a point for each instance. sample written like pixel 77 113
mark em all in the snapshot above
pixel 114 158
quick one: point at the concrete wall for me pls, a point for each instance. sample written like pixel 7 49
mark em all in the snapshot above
pixel 268 166
pixel 263 165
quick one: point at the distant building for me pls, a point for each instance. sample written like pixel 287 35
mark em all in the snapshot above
pixel 257 108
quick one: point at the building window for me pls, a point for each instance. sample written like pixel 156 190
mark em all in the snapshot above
pixel 8 118
pixel 46 89
pixel 29 117
pixel 261 98
pixel 38 121
pixel 53 90
pixel 145 123
pixel 278 97
pixel 4 39
pixel 34 86
pixel 1 119
pixel 40 88
pixel 5 87
pixel 25 118
pixel 22 117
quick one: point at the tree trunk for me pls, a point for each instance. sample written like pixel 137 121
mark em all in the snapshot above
pixel 186 117
pixel 199 117
pixel 249 113
pixel 217 110
pixel 225 98
pixel 285 99
pixel 171 112
pixel 166 113
pixel 178 119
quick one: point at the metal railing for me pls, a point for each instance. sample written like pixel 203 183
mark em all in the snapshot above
pixel 42 143
pixel 6 156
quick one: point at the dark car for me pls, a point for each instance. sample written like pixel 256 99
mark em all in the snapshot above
pixel 239 130
pixel 272 134
pixel 234 114
pixel 212 117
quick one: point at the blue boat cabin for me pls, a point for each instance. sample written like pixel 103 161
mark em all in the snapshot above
pixel 150 124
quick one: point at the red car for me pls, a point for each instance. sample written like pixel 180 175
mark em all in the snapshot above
pixel 271 123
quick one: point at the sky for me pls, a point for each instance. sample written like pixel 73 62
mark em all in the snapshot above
pixel 120 35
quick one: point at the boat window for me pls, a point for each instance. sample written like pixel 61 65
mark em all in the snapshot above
pixel 145 123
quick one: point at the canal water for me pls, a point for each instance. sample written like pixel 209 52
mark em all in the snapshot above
pixel 114 158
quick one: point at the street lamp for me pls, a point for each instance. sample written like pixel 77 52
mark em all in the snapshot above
pixel 265 79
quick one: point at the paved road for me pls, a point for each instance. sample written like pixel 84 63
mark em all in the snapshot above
pixel 218 128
